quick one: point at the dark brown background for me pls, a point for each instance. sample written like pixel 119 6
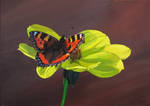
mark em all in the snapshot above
pixel 125 21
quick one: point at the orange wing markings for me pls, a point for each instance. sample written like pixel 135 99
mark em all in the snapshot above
pixel 67 42
pixel 40 43
pixel 46 59
pixel 43 59
pixel 61 58
pixel 73 46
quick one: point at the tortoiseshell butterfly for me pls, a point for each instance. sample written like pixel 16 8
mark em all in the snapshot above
pixel 52 52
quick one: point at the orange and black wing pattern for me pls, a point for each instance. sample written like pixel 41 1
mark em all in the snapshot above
pixel 53 52
pixel 67 47
pixel 42 40
pixel 74 41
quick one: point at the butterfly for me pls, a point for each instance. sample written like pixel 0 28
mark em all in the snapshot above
pixel 52 51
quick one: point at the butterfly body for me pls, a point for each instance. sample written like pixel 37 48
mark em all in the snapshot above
pixel 53 52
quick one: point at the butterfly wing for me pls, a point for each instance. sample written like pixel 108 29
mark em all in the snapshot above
pixel 42 40
pixel 42 61
pixel 56 52
pixel 67 47
pixel 53 54
pixel 74 41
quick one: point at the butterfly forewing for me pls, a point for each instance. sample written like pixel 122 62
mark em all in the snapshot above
pixel 74 41
pixel 42 40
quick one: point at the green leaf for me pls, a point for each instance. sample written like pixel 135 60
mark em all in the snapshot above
pixel 94 42
pixel 27 50
pixel 46 72
pixel 105 70
pixel 121 51
pixel 41 28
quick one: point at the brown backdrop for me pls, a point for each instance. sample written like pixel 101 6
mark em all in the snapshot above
pixel 124 21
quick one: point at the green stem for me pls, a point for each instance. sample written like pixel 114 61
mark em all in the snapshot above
pixel 65 92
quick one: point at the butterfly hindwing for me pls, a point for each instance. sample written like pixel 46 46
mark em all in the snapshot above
pixel 42 61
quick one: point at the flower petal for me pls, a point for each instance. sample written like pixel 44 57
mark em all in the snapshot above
pixel 88 65
pixel 121 51
pixel 94 41
pixel 46 72
pixel 105 70
pixel 75 66
pixel 27 50
pixel 41 28
pixel 103 57
pixel 96 61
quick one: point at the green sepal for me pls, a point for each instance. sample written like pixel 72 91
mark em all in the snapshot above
pixel 41 28
pixel 71 76
pixel 27 50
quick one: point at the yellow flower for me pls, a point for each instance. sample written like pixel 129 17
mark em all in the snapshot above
pixel 98 55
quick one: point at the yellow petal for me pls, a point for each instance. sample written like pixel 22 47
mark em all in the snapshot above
pixel 75 66
pixel 27 50
pixel 94 40
pixel 46 72
pixel 105 70
pixel 121 51
pixel 41 28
